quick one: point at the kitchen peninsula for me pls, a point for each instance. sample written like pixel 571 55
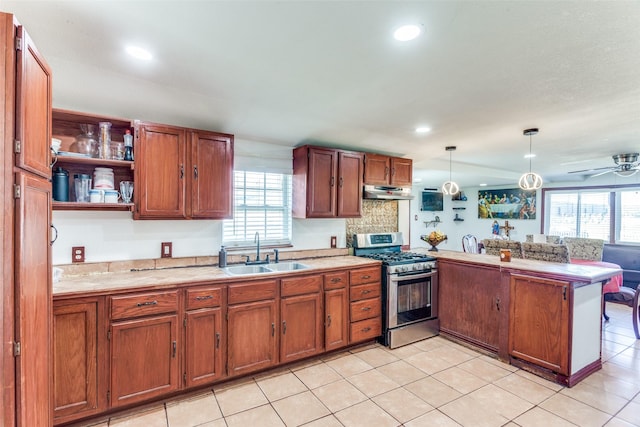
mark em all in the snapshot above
pixel 541 316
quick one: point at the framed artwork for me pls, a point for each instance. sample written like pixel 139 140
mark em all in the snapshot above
pixel 510 203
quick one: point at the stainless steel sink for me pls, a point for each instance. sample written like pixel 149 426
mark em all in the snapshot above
pixel 287 266
pixel 236 270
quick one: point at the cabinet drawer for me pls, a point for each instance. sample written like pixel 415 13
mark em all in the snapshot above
pixel 203 298
pixel 366 329
pixel 365 275
pixel 336 280
pixel 365 309
pixel 253 291
pixel 127 306
pixel 371 290
pixel 300 285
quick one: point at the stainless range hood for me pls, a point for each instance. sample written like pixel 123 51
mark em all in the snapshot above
pixel 384 192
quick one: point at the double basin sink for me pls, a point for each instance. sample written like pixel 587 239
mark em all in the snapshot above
pixel 237 270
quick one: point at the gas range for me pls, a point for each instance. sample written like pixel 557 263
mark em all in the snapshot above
pixel 387 247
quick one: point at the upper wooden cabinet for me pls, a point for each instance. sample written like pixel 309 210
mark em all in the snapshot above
pixel 327 183
pixel 386 170
pixel 182 173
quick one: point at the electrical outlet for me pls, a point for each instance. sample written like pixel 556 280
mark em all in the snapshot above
pixel 166 250
pixel 77 254
pixel 334 241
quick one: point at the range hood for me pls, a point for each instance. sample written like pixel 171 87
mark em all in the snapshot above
pixel 384 192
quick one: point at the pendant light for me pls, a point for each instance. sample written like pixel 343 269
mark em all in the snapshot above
pixel 530 180
pixel 450 187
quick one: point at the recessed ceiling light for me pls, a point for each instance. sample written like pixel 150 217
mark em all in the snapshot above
pixel 482 185
pixel 406 33
pixel 139 53
pixel 423 129
pixel 529 156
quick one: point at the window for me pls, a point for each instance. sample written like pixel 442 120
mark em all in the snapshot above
pixel 590 213
pixel 262 204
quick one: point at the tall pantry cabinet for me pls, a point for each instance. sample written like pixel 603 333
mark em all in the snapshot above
pixel 26 307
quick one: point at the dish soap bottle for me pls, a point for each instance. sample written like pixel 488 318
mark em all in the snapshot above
pixel 222 257
pixel 128 146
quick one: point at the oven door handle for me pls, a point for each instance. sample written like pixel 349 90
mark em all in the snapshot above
pixel 398 278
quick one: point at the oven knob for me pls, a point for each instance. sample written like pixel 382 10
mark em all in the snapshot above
pixel 416 267
pixel 403 268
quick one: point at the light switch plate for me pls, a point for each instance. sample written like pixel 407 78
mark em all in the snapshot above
pixel 77 254
pixel 166 250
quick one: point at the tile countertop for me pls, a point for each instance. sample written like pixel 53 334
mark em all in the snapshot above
pixel 157 278
pixel 572 272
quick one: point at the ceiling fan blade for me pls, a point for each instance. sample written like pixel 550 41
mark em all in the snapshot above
pixel 610 168
pixel 602 173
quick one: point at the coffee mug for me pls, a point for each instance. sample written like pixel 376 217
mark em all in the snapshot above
pixel 96 196
pixel 111 196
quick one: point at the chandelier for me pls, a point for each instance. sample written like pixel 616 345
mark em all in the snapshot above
pixel 450 187
pixel 530 180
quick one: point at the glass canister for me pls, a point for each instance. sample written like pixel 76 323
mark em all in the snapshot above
pixel 104 135
pixel 103 178
pixel 86 143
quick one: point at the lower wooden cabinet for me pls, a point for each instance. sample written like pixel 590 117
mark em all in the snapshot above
pixel 78 376
pixel 336 322
pixel 365 304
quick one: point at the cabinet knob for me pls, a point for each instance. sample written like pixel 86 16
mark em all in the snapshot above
pixel 284 327
pixel 181 171
pixel 195 171
pixel 217 339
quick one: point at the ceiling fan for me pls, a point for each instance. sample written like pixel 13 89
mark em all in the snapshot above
pixel 626 165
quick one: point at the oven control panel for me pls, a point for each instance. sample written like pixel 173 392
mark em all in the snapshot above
pixel 416 267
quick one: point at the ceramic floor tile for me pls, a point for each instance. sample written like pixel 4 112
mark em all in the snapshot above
pixel 575 411
pixel 193 411
pixel 627 360
pixel 376 357
pixel 432 391
pixel 429 363
pixel 484 370
pixel 593 396
pixel 542 381
pixel 328 421
pixel 622 372
pixel 454 353
pixel 617 422
pixel 538 417
pixel 459 379
pixel 402 372
pixel 317 375
pixel 611 385
pixel 349 365
pixel 263 416
pixel 217 423
pixel 431 343
pixel 525 388
pixel 432 419
pixel 404 351
pixel 300 409
pixel 402 404
pixel 240 398
pixel 366 414
pixel 501 401
pixel 155 417
pixel 280 386
pixel 339 395
pixel 630 413
pixel 467 411
pixel 373 383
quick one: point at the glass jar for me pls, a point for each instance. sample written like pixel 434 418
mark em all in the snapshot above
pixel 103 178
pixel 86 142
pixel 105 140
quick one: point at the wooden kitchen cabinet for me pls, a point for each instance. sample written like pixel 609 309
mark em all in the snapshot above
pixel 182 173
pixel 470 303
pixel 252 318
pixel 327 183
pixel 336 309
pixel 144 348
pixel 301 314
pixel 205 340
pixel 386 170
pixel 79 356
pixel 365 304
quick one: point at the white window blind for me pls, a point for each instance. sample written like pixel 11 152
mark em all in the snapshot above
pixel 262 204
pixel 580 214
pixel 629 216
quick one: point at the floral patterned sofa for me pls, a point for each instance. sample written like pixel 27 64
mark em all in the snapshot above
pixel 549 252
pixel 493 246
pixel 584 248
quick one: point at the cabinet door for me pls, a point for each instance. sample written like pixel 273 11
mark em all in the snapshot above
pixel 301 326
pixel 336 322
pixel 350 184
pixel 539 322
pixel 160 175
pixel 469 305
pixel 251 337
pixel 203 346
pixel 33 306
pixel 212 175
pixel 33 108
pixel 321 189
pixel 77 379
pixel 377 169
pixel 144 359
pixel 401 172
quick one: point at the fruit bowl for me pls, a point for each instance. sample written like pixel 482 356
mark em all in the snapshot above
pixel 434 239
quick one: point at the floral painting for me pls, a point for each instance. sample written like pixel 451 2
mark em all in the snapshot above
pixel 512 203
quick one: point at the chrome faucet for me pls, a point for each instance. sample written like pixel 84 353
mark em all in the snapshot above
pixel 256 239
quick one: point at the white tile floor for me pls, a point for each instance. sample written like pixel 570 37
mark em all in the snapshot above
pixel 430 383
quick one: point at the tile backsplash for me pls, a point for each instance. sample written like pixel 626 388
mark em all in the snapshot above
pixel 378 216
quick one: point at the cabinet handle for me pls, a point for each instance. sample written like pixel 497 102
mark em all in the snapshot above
pixel 393 171
pixel 195 171
pixel 204 298
pixel 365 277
pixel 365 291
pixel 217 339
pixel 142 304
pixel 367 329
pixel 498 304
pixel 56 235
pixel 173 353
pixel 336 280
pixel 386 171
pixel 284 327
pixel 365 309
pixel 328 320
pixel 181 171
pixel 341 182
pixel 273 329
pixel 564 293
pixel 333 181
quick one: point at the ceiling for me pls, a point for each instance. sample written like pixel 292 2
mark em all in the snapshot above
pixel 330 73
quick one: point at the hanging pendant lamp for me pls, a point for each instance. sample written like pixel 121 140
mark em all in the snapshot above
pixel 450 187
pixel 530 180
